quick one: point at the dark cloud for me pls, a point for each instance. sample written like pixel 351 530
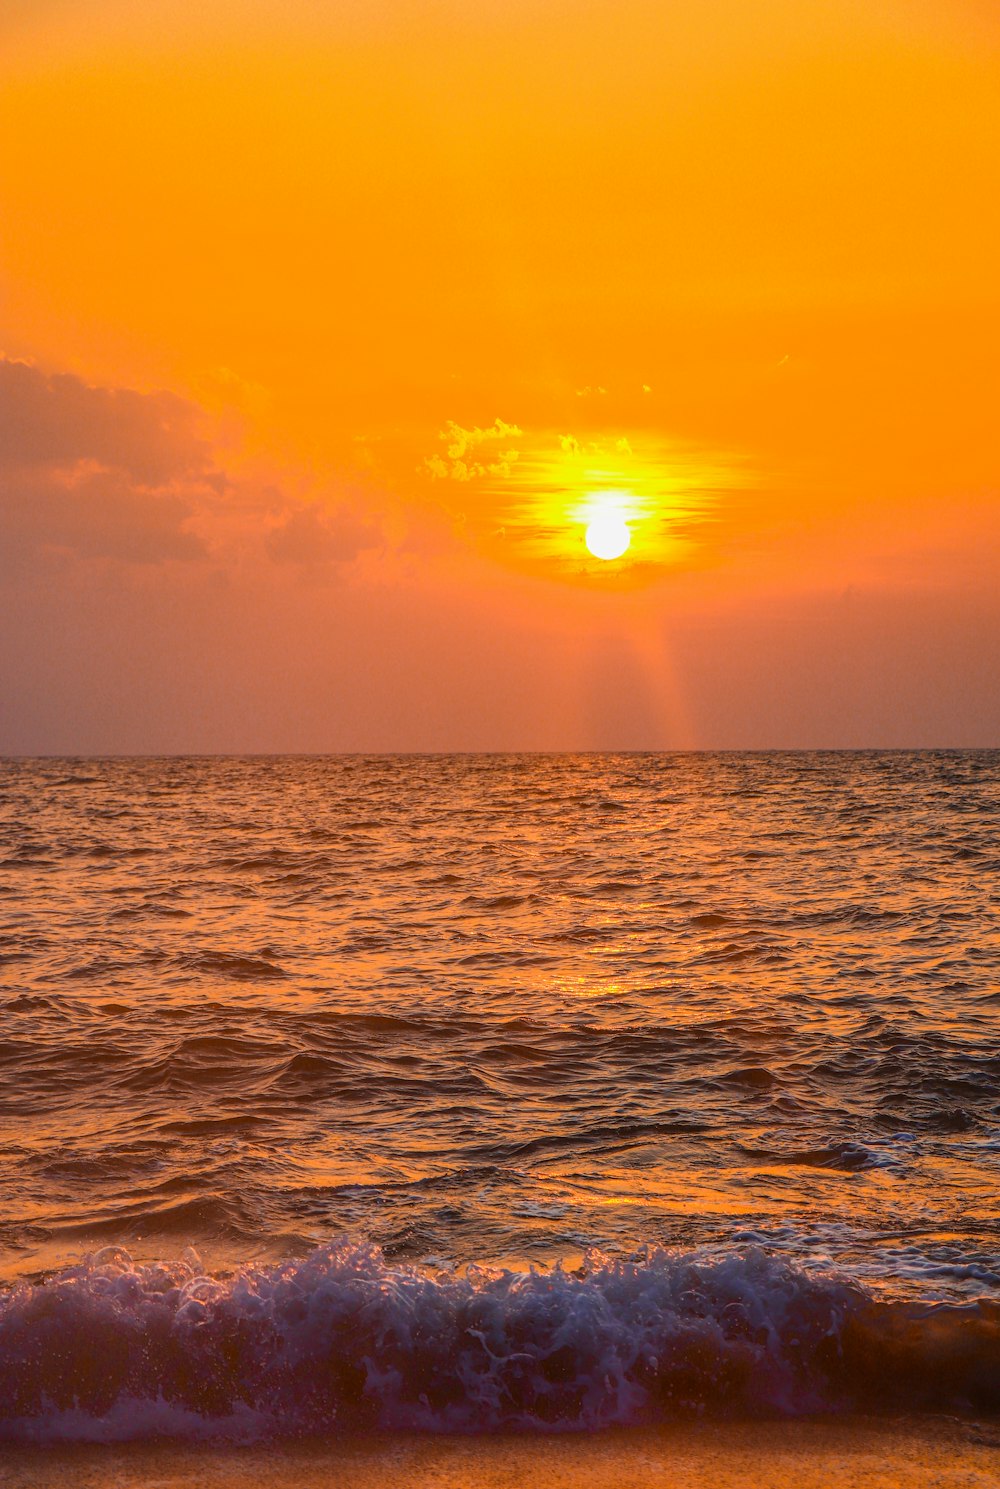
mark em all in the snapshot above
pixel 97 516
pixel 97 473
pixel 56 419
pixel 314 536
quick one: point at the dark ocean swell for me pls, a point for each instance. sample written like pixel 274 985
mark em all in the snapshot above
pixel 345 1341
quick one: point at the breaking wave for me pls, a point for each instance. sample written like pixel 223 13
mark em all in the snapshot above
pixel 345 1340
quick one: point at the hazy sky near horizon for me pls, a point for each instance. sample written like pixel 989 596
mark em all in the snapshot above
pixel 325 330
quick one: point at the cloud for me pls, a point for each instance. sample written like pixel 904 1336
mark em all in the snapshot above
pixel 58 419
pixel 460 440
pixel 458 444
pixel 98 473
pixel 93 514
pixel 109 474
pixel 311 535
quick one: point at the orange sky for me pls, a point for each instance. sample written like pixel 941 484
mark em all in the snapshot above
pixel 327 328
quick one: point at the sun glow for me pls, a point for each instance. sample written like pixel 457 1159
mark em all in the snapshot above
pixel 607 535
pixel 616 508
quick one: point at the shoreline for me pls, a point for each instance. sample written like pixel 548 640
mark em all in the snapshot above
pixel 813 1453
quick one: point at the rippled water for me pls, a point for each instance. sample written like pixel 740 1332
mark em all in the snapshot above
pixel 502 1009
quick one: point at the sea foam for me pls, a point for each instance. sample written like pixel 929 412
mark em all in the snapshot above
pixel 343 1340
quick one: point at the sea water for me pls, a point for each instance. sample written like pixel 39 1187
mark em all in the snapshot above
pixel 465 1092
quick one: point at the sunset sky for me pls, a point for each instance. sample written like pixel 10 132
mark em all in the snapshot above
pixel 328 328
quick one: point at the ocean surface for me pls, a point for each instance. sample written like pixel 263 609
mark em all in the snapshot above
pixel 475 1092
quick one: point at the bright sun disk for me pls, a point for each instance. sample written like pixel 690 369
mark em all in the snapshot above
pixel 607 536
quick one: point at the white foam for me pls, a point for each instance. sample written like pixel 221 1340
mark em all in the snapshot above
pixel 343 1339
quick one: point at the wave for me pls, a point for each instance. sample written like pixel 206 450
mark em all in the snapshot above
pixel 227 964
pixel 850 1157
pixel 343 1340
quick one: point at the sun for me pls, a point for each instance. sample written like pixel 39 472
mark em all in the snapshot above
pixel 608 536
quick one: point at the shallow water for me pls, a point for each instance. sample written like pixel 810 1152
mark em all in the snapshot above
pixel 505 1009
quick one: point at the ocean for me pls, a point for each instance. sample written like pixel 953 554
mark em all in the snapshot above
pixel 500 1092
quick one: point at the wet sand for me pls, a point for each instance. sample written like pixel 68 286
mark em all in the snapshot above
pixel 830 1454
